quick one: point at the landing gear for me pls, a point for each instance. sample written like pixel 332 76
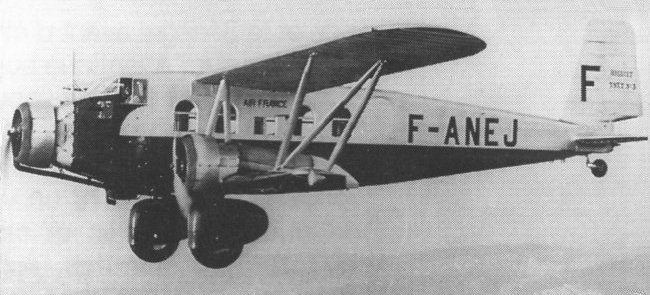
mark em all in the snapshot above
pixel 216 231
pixel 213 235
pixel 155 228
pixel 598 167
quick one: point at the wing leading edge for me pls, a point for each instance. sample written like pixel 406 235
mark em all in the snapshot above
pixel 344 60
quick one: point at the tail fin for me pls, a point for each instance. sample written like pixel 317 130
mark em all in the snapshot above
pixel 606 82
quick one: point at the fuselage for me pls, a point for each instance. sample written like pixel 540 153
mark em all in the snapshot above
pixel 399 137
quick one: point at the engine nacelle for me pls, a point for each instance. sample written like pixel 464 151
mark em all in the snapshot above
pixel 203 163
pixel 32 134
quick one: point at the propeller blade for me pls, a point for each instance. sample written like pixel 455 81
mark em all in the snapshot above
pixel 6 154
pixel 182 196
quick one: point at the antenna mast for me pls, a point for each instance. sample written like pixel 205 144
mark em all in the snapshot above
pixel 72 85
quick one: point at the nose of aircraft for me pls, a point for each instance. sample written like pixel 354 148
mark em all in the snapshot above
pixel 32 134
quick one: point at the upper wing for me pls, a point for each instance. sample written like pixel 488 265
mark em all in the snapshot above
pixel 345 60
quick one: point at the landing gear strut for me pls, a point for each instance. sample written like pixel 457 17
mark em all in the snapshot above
pixel 598 167
pixel 155 228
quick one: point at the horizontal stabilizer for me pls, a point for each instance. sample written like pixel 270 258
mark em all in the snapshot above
pixel 607 140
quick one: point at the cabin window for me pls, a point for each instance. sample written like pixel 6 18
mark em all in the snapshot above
pixel 265 126
pixel 186 117
pixel 271 125
pixel 305 121
pixel 258 125
pixel 233 120
pixel 341 118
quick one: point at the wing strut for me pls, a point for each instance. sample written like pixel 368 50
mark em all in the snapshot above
pixel 328 118
pixel 295 109
pixel 226 112
pixel 212 120
pixel 347 132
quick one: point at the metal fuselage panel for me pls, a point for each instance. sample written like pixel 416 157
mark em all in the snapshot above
pixel 390 119
pixel 400 137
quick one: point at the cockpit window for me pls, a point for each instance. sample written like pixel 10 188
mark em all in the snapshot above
pixel 138 91
pixel 131 90
pixel 112 88
pixel 104 87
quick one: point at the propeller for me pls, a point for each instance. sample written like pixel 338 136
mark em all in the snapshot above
pixel 6 147
pixel 182 195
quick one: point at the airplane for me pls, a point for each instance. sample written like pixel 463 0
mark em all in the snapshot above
pixel 181 142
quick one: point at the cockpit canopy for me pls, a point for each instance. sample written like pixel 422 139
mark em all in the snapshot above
pixel 132 90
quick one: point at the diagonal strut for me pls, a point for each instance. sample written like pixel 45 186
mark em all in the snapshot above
pixel 295 109
pixel 222 93
pixel 328 118
pixel 226 115
pixel 347 132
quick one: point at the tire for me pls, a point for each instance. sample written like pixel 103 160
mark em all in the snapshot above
pixel 600 168
pixel 212 239
pixel 152 234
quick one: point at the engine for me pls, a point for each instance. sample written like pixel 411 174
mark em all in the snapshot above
pixel 32 134
pixel 203 163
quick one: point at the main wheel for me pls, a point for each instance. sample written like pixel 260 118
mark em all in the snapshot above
pixel 599 169
pixel 153 234
pixel 212 237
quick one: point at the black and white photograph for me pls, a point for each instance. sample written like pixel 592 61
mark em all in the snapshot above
pixel 324 147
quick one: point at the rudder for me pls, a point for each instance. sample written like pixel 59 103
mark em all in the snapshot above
pixel 606 81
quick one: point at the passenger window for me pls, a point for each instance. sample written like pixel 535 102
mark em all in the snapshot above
pixel 186 117
pixel 305 121
pixel 341 117
pixel 271 125
pixel 258 127
pixel 265 126
pixel 233 120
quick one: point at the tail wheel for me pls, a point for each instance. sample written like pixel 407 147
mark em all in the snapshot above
pixel 212 237
pixel 599 168
pixel 153 234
